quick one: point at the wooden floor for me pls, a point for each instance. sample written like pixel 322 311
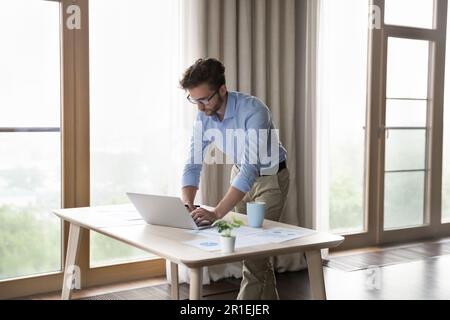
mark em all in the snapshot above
pixel 426 279
pixel 420 280
pixel 389 256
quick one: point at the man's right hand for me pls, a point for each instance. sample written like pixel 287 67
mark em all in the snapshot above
pixel 190 207
pixel 188 197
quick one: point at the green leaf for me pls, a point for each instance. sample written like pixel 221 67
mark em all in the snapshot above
pixel 225 227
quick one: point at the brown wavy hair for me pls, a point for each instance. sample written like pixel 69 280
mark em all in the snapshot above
pixel 210 71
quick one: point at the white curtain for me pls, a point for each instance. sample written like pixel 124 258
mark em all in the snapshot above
pixel 263 44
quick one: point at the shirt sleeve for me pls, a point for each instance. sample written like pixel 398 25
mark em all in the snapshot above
pixel 194 163
pixel 250 162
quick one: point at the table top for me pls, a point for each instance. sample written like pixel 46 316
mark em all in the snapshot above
pixel 168 243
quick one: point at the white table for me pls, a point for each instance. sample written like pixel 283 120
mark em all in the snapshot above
pixel 168 243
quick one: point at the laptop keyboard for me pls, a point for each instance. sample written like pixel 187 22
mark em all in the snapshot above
pixel 203 224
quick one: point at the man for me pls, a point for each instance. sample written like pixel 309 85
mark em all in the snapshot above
pixel 221 111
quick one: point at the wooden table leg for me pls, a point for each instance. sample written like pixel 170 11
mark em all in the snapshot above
pixel 175 289
pixel 196 283
pixel 315 271
pixel 71 269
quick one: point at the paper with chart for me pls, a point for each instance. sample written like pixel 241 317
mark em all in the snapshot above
pixel 238 232
pixel 278 235
pixel 247 237
pixel 212 243
pixel 111 216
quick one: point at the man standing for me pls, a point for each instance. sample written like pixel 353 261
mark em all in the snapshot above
pixel 253 179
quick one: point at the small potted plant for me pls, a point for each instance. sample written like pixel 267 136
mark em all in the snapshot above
pixel 225 228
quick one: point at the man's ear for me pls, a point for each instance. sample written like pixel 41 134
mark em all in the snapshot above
pixel 223 90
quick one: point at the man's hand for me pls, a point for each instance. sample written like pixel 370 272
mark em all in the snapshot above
pixel 204 216
pixel 190 207
pixel 188 196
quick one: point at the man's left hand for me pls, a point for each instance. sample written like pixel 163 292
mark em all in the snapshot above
pixel 204 216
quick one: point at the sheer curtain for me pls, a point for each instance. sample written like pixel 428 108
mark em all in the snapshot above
pixel 263 46
pixel 341 114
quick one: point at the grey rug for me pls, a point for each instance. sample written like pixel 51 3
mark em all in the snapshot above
pixel 162 292
pixel 388 257
pixel 291 286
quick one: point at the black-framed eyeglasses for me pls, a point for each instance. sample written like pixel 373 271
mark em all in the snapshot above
pixel 202 101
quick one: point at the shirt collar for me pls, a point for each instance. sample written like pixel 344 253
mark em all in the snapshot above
pixel 231 107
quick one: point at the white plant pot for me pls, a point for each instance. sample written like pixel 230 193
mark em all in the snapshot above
pixel 227 244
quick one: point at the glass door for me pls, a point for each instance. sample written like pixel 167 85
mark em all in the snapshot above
pixel 410 129
pixel 391 185
pixel 405 160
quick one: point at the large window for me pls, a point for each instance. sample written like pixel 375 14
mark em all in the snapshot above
pixel 30 156
pixel 137 135
pixel 343 46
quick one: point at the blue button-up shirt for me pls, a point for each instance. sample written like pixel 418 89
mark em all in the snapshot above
pixel 235 136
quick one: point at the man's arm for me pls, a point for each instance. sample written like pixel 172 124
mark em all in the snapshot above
pixel 188 195
pixel 193 167
pixel 231 199
pixel 248 173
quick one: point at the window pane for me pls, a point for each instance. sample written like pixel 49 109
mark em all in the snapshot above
pixel 410 13
pixel 342 83
pixel 105 250
pixel 30 163
pixel 407 72
pixel 29 64
pixel 404 199
pixel 405 150
pixel 406 113
pixel 135 133
pixel 30 188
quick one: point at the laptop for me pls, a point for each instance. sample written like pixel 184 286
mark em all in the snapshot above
pixel 164 211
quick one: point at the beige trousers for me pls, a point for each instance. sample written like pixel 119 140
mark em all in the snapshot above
pixel 258 277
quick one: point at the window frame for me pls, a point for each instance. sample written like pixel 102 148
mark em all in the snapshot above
pixel 375 142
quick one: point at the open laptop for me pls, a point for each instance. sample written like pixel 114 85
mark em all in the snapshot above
pixel 164 211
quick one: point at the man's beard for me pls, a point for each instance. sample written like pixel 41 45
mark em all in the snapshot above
pixel 216 108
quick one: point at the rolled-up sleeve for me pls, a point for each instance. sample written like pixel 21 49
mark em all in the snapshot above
pixel 250 163
pixel 194 163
